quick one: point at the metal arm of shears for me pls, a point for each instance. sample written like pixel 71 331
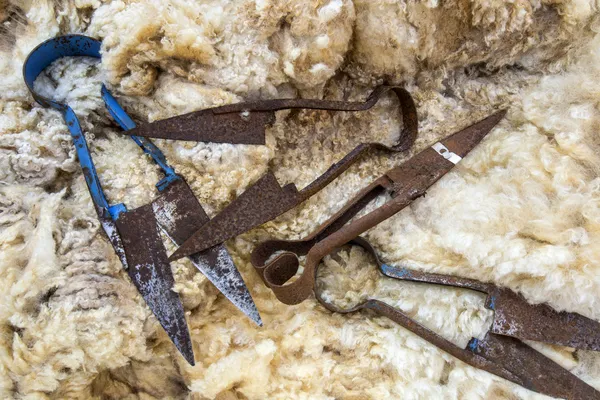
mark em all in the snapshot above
pixel 405 183
pixel 126 123
pixel 501 355
pixel 240 123
pixel 266 199
pixel 178 211
pixel 177 194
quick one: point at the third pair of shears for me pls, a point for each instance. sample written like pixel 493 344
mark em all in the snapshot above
pixel 501 351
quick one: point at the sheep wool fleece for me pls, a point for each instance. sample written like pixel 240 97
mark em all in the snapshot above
pixel 522 211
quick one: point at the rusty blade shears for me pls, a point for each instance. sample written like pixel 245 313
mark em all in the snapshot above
pixel 500 352
pixel 133 233
pixel 266 199
pixel 405 183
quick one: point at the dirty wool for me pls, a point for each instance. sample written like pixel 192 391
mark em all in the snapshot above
pixel 522 211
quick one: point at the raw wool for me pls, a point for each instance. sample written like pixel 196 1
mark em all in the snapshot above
pixel 399 39
pixel 245 47
pixel 520 211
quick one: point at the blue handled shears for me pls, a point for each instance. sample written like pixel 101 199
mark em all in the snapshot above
pixel 133 233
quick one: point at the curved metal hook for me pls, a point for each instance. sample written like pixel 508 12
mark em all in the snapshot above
pixel 277 260
pixel 78 45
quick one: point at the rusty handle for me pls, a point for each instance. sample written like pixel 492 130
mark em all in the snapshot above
pixel 406 274
pixel 276 271
pixel 286 104
pixel 407 138
pixel 312 104
pixel 406 322
pixel 354 229
pixel 297 291
pixel 464 355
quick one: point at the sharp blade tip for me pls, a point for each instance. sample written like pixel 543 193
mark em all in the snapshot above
pixel 189 357
pixel 501 113
pixel 185 349
pixel 248 307
pixel 183 342
pixel 256 319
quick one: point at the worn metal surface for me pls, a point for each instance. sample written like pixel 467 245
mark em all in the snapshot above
pixel 277 263
pixel 149 270
pixel 538 373
pixel 541 322
pixel 513 315
pixel 230 283
pixel 241 123
pixel 500 355
pixel 266 199
pixel 206 126
pixel 179 214
pixel 405 182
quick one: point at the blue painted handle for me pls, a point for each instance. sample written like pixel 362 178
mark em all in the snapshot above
pixel 78 45
pixel 125 121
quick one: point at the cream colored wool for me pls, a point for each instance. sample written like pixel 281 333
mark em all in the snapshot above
pixel 522 211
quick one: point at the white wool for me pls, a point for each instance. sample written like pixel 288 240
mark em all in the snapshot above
pixel 522 211
pixel 330 10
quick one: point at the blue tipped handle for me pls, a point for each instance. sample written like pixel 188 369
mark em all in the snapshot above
pixel 78 45
pixel 125 121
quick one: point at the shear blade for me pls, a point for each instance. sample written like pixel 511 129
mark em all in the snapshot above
pixel 261 202
pixel 513 316
pixel 150 271
pixel 216 264
pixel 207 126
pixel 179 214
pixel 536 371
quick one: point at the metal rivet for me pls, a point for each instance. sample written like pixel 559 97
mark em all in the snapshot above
pixel 245 115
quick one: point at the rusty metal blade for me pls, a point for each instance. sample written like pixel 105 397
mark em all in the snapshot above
pixel 503 356
pixel 537 372
pixel 468 355
pixel 260 203
pixel 206 126
pixel 179 214
pixel 245 122
pixel 407 182
pixel 513 315
pixel 540 322
pixel 150 271
pixel 424 169
pixel 110 228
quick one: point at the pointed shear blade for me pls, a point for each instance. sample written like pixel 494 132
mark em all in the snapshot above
pixel 535 371
pixel 267 199
pixel 512 359
pixel 513 316
pixel 503 356
pixel 150 271
pixel 418 174
pixel 208 126
pixel 261 202
pixel 179 214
